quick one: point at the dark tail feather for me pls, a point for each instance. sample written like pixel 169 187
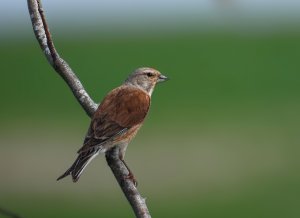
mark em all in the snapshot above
pixel 80 163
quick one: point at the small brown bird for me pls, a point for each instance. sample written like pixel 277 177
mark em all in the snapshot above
pixel 117 119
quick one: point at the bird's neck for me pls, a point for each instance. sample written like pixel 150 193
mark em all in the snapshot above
pixel 146 88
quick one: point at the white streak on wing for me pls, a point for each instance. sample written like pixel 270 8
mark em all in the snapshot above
pixel 89 160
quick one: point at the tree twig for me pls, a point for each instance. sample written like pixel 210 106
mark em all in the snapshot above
pixel 137 202
pixel 7 213
pixel 44 38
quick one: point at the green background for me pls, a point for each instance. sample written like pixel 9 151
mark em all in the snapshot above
pixel 221 140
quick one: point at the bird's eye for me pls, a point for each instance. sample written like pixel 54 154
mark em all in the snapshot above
pixel 149 74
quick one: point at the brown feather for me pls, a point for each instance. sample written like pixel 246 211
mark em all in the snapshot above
pixel 121 112
pixel 117 119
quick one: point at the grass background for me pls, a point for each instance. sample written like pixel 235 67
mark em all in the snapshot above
pixel 221 140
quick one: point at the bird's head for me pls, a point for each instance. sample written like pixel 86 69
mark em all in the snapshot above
pixel 145 78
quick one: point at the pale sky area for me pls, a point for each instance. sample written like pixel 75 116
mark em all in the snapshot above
pixel 14 14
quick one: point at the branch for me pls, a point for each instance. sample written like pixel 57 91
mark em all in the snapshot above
pixel 44 38
pixel 7 213
pixel 137 202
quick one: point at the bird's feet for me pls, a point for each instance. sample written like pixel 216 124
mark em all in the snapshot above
pixel 131 177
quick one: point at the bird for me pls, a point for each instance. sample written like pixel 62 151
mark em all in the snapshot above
pixel 117 120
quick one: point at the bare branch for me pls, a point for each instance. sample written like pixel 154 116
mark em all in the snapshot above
pixel 44 38
pixel 138 203
pixel 7 213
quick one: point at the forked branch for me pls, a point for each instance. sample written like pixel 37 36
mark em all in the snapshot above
pixel 44 38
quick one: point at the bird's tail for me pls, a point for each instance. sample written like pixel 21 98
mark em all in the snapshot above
pixel 83 159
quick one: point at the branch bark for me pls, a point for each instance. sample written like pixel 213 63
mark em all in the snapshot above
pixel 43 36
pixel 137 202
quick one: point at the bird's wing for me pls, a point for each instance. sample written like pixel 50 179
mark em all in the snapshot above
pixel 121 109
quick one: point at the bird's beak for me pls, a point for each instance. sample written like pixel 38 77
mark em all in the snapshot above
pixel 162 78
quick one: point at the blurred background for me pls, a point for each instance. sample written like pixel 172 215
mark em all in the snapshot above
pixel 222 137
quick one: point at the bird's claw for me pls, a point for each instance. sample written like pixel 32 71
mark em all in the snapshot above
pixel 131 177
